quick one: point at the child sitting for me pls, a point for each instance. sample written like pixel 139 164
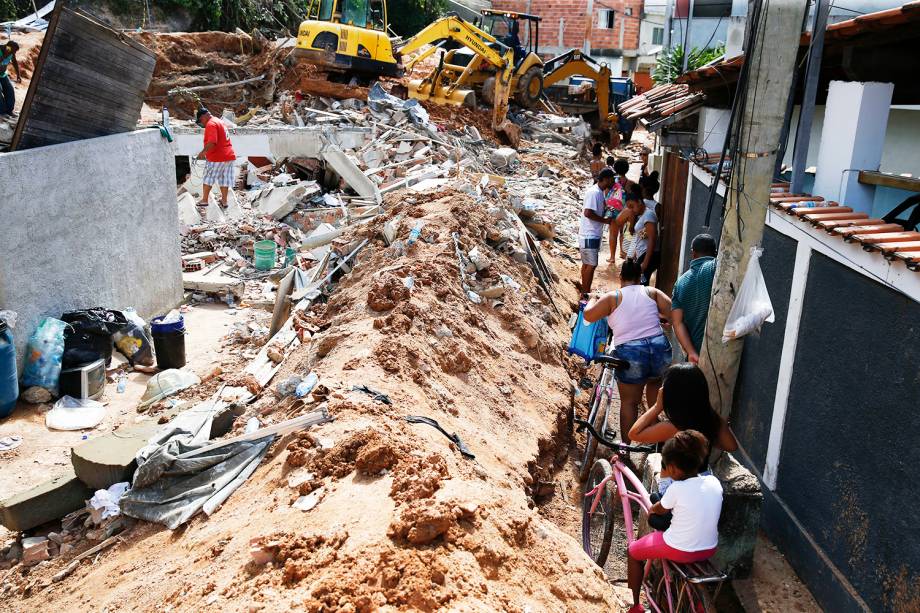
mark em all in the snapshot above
pixel 695 501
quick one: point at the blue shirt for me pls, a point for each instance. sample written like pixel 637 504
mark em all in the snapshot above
pixel 691 295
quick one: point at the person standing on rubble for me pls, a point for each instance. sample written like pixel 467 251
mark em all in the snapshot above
pixel 7 93
pixel 591 230
pixel 218 155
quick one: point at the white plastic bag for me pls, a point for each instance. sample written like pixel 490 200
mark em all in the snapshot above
pixel 104 503
pixel 752 305
pixel 74 414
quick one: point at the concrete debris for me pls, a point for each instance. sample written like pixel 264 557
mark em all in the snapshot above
pixel 503 158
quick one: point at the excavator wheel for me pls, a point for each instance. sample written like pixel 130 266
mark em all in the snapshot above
pixel 488 91
pixel 530 88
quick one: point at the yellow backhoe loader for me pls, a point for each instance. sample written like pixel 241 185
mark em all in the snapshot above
pixel 474 61
pixel 602 98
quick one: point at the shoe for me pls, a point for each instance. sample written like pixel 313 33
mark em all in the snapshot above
pixel 637 608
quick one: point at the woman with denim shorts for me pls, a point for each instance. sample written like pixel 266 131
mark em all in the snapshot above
pixel 634 313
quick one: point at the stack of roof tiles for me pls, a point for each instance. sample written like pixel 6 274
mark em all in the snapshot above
pixel 875 235
pixel 661 102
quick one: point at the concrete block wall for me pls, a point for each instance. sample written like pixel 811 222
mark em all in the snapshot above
pixel 89 223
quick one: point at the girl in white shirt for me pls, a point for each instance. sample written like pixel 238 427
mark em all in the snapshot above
pixel 695 501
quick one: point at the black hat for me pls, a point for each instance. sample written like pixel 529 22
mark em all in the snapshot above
pixel 201 111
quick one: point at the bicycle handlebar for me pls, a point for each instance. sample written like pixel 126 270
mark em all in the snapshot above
pixel 616 445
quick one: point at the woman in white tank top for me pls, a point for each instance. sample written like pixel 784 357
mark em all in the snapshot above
pixel 634 313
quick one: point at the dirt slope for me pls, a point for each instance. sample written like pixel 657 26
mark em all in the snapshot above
pixel 404 521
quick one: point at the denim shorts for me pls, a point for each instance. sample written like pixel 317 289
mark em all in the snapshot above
pixel 648 359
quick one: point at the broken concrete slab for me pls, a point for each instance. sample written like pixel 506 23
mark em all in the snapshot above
pixel 503 157
pixel 279 201
pixel 44 502
pixel 277 142
pixel 214 281
pixel 351 174
pixel 109 459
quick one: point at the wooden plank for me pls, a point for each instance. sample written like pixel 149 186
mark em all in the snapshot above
pixel 89 81
pixel 673 200
pixel 871 177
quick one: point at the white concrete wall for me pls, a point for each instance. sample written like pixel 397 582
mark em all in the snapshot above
pixel 89 223
pixel 856 119
pixel 712 128
pixel 901 153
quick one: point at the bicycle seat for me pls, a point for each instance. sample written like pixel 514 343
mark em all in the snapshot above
pixel 612 359
pixel 700 572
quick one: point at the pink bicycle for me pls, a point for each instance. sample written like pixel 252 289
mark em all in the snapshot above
pixel 668 586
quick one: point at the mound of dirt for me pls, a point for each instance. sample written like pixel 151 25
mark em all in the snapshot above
pixel 397 518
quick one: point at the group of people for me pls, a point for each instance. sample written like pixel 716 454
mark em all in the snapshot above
pixel 687 507
pixel 626 207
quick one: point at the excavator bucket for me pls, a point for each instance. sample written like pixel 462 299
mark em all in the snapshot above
pixel 421 89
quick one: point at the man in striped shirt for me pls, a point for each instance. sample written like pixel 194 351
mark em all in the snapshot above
pixel 690 303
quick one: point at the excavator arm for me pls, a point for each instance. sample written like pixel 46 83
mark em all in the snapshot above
pixel 486 47
pixel 576 63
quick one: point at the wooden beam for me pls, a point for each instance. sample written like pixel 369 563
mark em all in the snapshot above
pixel 871 177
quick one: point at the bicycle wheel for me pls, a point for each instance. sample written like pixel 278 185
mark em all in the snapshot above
pixel 597 527
pixel 598 419
pixel 692 598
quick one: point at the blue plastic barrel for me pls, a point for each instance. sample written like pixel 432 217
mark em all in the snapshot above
pixel 9 381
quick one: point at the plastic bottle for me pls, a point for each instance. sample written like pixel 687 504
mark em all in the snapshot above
pixel 122 382
pixel 9 381
pixel 416 232
pixel 306 386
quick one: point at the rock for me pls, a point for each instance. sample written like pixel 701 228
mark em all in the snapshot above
pixel 35 550
pixel 480 260
pixel 309 502
pixel 36 395
pixel 496 291
pixel 54 537
pixel 503 157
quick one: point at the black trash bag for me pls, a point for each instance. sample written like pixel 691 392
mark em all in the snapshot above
pixel 93 329
pixel 79 356
pixel 132 342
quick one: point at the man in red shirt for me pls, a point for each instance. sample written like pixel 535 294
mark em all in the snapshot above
pixel 218 155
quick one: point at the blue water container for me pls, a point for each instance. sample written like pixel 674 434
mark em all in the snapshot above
pixel 9 382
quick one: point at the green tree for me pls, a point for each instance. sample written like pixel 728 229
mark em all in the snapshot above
pixel 407 17
pixel 11 10
pixel 670 65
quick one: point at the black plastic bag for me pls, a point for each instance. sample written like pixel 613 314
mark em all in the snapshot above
pixel 93 329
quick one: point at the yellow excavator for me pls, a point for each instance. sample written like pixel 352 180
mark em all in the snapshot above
pixel 349 37
pixel 472 60
pixel 607 91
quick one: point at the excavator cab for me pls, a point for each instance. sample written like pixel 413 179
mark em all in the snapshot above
pixel 519 31
pixel 348 36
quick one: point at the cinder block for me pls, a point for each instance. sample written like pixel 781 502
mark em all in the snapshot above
pixel 109 459
pixel 44 502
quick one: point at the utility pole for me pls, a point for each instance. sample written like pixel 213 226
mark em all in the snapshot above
pixel 589 15
pixel 770 60
pixel 803 132
pixel 668 15
pixel 686 41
